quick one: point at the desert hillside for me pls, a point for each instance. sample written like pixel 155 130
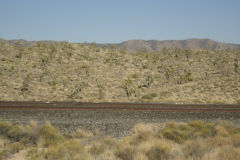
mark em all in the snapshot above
pixel 52 71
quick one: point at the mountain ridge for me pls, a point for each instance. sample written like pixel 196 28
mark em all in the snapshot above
pixel 139 45
pixel 155 45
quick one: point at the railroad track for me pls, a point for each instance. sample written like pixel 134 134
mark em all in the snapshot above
pixel 160 107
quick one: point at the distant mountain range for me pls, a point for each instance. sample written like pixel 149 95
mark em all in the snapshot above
pixel 154 45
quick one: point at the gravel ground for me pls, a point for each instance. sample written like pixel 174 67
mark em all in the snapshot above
pixel 112 123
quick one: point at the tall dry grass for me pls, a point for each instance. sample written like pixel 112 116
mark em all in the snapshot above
pixel 195 140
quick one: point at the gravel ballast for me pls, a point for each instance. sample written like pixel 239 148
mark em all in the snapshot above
pixel 112 123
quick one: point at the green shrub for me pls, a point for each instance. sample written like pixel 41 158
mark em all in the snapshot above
pixel 4 128
pixel 172 134
pixel 149 96
pixel 16 132
pixel 50 135
pixel 176 132
pixel 202 129
pixel 235 131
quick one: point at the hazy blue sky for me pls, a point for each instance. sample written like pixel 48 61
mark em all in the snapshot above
pixel 119 20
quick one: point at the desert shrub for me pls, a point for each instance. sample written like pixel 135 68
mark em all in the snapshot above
pixel 149 96
pixel 125 152
pixel 202 129
pixel 97 149
pixel 221 131
pixel 195 149
pixel 74 150
pixel 109 142
pixel 172 134
pixel 30 134
pixel 219 141
pixel 159 152
pixel 50 135
pixel 225 124
pixel 176 132
pixel 4 127
pixel 234 131
pixel 68 150
pixel 52 153
pixel 141 133
pixel 135 75
pixel 16 132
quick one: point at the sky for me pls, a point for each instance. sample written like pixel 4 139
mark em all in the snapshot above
pixel 114 21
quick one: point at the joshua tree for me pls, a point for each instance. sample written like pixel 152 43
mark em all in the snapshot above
pixel 126 86
pixel 100 86
pixel 236 66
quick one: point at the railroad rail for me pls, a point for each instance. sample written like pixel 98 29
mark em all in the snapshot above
pixel 160 107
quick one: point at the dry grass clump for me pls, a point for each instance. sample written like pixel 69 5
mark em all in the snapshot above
pixel 125 152
pixel 159 151
pixel 176 132
pixel 141 133
pixel 18 133
pixel 229 153
pixel 68 150
pixel 195 140
pixel 80 133
pixel 195 148
pixel 97 148
pixel 180 132
pixel 49 135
